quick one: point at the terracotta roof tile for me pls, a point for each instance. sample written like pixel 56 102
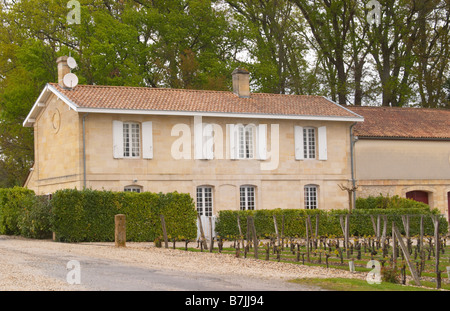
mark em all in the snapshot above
pixel 161 99
pixel 392 122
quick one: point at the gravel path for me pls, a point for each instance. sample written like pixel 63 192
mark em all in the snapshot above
pixel 28 264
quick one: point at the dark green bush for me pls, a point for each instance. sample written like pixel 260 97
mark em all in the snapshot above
pixel 34 221
pixel 12 202
pixel 88 215
pixel 382 202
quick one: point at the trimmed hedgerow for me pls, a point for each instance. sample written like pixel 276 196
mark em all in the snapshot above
pixel 382 202
pixel 88 215
pixel 12 203
pixel 329 221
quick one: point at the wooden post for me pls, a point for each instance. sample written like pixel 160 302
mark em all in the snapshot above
pixel 166 239
pixel 347 234
pixel 307 240
pixel 255 239
pixel 211 245
pixel 202 233
pixel 383 236
pixel 421 233
pixel 406 254
pixel 317 226
pixel 241 237
pixel 435 219
pixel 276 229
pixel 394 245
pixel 120 230
pixel 282 232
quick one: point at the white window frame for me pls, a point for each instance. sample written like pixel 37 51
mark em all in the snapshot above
pixel 205 200
pixel 246 141
pixel 131 140
pixel 247 198
pixel 309 143
pixel 137 189
pixel 311 196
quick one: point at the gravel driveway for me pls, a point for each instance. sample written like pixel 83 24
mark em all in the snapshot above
pixel 41 265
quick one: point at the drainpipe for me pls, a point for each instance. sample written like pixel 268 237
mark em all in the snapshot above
pixel 352 145
pixel 84 150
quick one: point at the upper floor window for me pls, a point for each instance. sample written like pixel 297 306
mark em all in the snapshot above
pixel 247 198
pixel 309 143
pixel 131 140
pixel 246 142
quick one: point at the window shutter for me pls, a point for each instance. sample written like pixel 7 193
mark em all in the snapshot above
pixel 117 139
pixel 261 142
pixel 233 139
pixel 147 140
pixel 298 137
pixel 208 142
pixel 322 131
pixel 198 138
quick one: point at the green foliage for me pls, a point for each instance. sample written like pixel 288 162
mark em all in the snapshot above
pixel 35 218
pixel 382 202
pixel 88 215
pixel 329 221
pixel 12 202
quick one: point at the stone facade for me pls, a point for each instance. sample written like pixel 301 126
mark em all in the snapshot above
pixel 395 167
pixel 59 161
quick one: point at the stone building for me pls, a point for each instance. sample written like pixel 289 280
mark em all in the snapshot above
pixel 229 150
pixel 404 152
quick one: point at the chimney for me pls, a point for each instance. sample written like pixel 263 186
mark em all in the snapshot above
pixel 63 69
pixel 241 83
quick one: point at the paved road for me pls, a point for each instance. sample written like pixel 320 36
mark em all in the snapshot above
pixel 35 268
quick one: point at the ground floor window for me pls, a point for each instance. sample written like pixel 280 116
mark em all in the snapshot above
pixel 311 197
pixel 247 198
pixel 133 189
pixel 205 201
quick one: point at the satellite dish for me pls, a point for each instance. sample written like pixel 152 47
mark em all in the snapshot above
pixel 70 80
pixel 71 62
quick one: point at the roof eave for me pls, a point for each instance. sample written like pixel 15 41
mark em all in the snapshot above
pixel 220 114
pixel 40 104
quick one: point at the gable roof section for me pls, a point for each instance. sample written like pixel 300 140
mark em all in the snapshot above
pixel 402 123
pixel 142 100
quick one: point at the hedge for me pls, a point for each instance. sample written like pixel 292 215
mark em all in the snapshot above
pixel 12 202
pixel 88 215
pixel 329 221
pixel 382 202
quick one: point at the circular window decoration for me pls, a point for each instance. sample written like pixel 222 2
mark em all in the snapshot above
pixel 56 120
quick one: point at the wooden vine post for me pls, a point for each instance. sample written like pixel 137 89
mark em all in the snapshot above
pixel 435 219
pixel 211 235
pixel 202 233
pixel 255 239
pixel 394 245
pixel 163 224
pixel 120 230
pixel 414 274
pixel 307 240
pixel 276 229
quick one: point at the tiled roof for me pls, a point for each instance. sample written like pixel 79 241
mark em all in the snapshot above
pixel 161 99
pixel 393 122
